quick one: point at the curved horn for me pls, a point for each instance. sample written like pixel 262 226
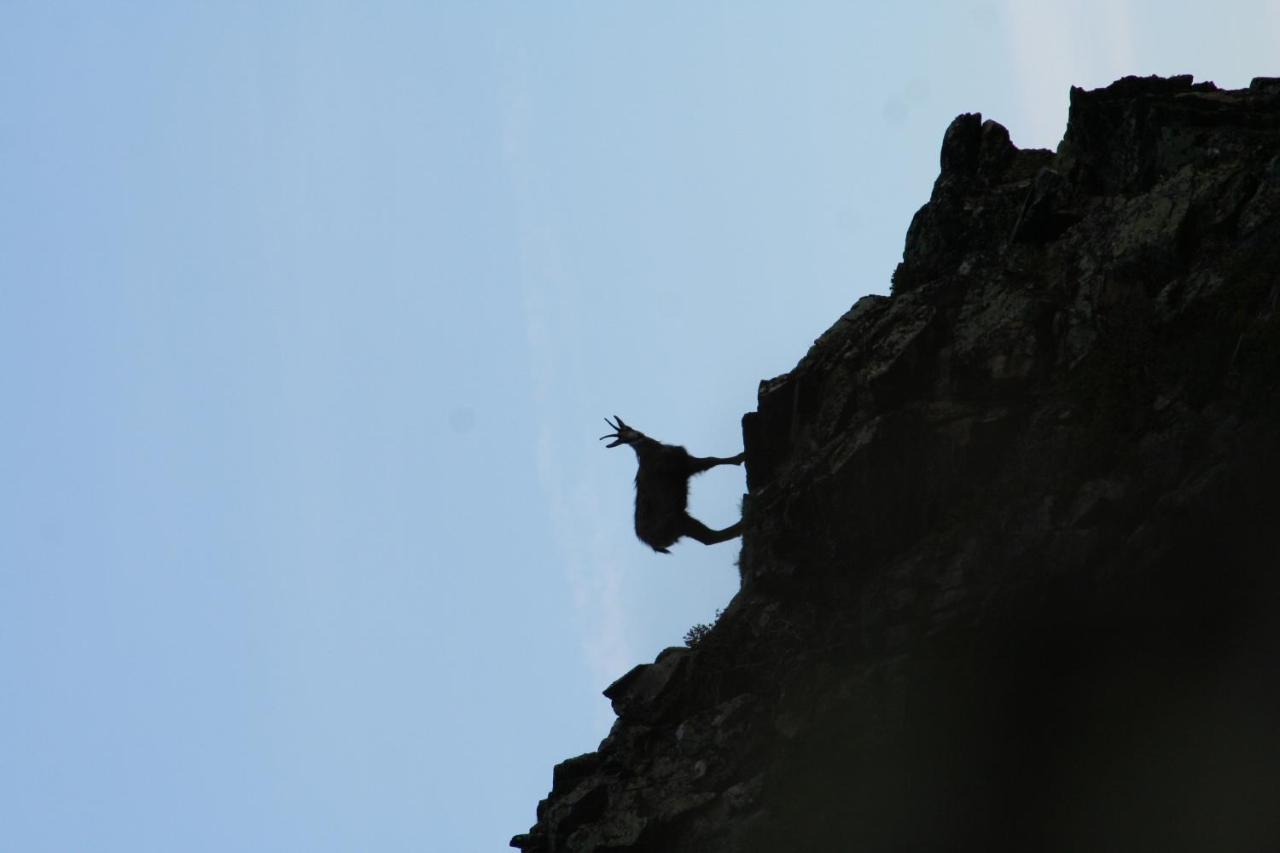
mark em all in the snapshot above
pixel 616 435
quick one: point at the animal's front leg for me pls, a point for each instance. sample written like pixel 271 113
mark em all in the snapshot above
pixel 698 464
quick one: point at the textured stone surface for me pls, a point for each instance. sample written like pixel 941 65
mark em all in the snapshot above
pixel 1010 567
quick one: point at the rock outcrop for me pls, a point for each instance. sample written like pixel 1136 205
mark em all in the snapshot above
pixel 1011 560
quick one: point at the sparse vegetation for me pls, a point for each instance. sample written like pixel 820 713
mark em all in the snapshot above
pixel 699 632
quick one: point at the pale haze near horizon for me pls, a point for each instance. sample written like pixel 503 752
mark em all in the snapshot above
pixel 311 317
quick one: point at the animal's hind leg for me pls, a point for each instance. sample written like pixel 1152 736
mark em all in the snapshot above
pixel 695 529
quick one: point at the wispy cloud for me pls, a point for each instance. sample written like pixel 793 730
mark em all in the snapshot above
pixel 582 533
pixel 1273 25
pixel 1056 46
pixel 593 570
pixel 1117 35
pixel 584 537
pixel 1041 49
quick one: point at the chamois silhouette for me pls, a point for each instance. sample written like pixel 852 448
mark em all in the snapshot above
pixel 662 489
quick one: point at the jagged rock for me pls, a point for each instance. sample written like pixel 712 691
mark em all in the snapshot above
pixel 641 694
pixel 1010 564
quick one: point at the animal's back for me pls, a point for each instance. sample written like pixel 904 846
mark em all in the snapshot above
pixel 662 496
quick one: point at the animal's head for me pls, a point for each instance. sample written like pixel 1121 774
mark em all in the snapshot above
pixel 622 434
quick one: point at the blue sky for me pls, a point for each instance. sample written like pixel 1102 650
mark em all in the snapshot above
pixel 310 316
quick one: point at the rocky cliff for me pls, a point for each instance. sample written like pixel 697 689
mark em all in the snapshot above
pixel 1011 560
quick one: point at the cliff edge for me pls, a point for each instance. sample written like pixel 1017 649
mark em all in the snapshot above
pixel 1011 560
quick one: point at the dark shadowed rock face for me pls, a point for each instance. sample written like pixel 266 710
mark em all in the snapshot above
pixel 1011 568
